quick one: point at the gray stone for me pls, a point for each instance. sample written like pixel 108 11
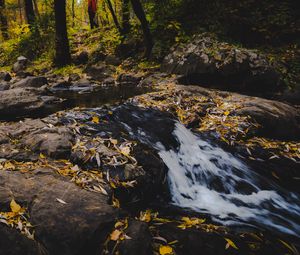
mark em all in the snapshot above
pixel 34 82
pixel 5 76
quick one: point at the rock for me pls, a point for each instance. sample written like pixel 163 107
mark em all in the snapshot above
pixel 141 239
pixel 81 58
pixel 4 86
pixel 74 77
pixel 14 243
pixel 55 142
pixel 34 82
pixel 61 85
pixel 5 76
pixel 276 119
pixel 99 72
pixel 205 61
pixel 80 226
pixel 112 60
pixel 128 78
pixel 20 65
pixel 22 102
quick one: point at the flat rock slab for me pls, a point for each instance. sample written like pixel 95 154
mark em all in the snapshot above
pixel 35 137
pixel 78 226
pixel 33 82
pixel 21 102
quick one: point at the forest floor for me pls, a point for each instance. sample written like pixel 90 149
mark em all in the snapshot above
pixel 81 170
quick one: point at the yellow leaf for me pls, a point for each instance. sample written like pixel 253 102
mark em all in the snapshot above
pixel 145 216
pixel 230 244
pixel 42 156
pixel 115 235
pixel 165 250
pixel 116 202
pixel 95 120
pixel 226 113
pixel 16 208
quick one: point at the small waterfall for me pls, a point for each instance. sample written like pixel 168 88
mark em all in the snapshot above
pixel 205 178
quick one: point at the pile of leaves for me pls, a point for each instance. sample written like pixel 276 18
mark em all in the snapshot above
pixel 18 218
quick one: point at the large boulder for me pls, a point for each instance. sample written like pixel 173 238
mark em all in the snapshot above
pixel 205 61
pixel 20 102
pixel 34 82
pixel 276 119
pixel 67 220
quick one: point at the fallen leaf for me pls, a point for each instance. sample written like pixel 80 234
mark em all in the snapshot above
pixel 16 208
pixel 115 235
pixel 165 250
pixel 61 201
pixel 95 119
pixel 230 244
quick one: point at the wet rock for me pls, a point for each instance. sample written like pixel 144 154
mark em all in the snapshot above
pixel 112 60
pixel 5 76
pixel 20 65
pixel 55 142
pixel 78 226
pixel 141 239
pixel 205 61
pixel 34 82
pixel 20 102
pixel 81 58
pixel 99 72
pixel 61 84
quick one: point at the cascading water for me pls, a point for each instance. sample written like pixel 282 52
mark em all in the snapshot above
pixel 205 178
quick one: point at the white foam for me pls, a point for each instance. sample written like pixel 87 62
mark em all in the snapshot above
pixel 207 179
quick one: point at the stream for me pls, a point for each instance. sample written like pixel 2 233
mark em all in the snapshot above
pixel 202 176
pixel 205 178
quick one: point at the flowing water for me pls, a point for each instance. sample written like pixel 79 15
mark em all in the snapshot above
pixel 205 178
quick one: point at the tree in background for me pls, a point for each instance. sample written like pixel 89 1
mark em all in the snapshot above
pixel 113 14
pixel 3 21
pixel 62 49
pixel 125 16
pixel 92 10
pixel 29 12
pixel 140 13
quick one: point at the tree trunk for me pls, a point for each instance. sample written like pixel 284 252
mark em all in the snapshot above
pixel 139 12
pixel 3 21
pixel 29 12
pixel 125 16
pixel 73 13
pixel 36 8
pixel 20 11
pixel 92 9
pixel 62 55
pixel 111 9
